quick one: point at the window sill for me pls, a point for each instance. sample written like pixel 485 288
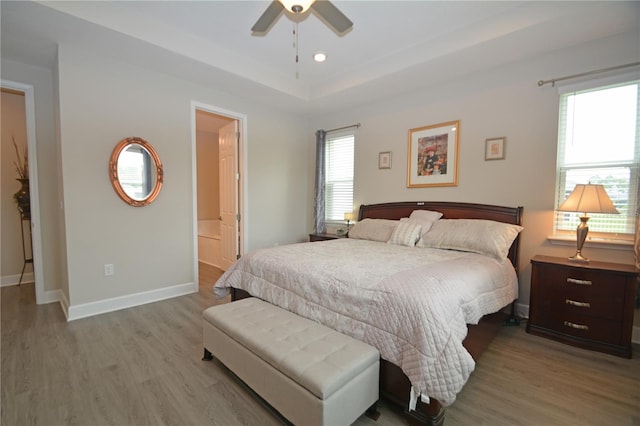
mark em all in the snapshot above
pixel 603 243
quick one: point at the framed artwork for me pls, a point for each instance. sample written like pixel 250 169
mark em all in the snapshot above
pixel 433 155
pixel 494 148
pixel 384 160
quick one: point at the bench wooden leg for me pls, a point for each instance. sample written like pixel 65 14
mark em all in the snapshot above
pixel 372 412
pixel 207 355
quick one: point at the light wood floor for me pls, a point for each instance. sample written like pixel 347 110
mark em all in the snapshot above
pixel 142 366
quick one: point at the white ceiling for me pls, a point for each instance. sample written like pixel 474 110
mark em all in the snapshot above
pixel 393 46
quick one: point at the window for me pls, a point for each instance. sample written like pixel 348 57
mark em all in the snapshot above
pixel 598 143
pixel 338 177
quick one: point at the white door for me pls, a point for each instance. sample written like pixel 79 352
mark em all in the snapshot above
pixel 229 235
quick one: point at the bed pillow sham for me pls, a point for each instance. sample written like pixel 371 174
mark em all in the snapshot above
pixel 481 236
pixel 373 229
pixel 406 234
pixel 425 218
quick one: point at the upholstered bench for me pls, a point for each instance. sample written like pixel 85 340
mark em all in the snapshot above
pixel 309 373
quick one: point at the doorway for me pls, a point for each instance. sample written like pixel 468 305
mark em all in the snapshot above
pixel 31 225
pixel 217 193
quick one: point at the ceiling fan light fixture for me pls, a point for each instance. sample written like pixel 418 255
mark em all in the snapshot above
pixel 326 11
pixel 320 57
pixel 297 6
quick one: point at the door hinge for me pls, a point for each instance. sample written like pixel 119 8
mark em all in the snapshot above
pixel 238 217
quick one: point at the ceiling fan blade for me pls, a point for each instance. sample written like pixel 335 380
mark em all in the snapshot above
pixel 332 16
pixel 267 19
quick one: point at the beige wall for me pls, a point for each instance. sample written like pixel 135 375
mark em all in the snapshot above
pixel 505 101
pixel 102 101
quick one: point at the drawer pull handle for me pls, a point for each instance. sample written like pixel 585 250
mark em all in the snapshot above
pixel 576 326
pixel 578 304
pixel 579 282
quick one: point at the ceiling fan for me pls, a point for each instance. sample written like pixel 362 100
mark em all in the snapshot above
pixel 324 8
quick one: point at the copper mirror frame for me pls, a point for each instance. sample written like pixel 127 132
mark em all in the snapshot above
pixel 154 172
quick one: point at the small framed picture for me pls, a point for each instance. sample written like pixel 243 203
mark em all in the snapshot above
pixel 384 160
pixel 494 148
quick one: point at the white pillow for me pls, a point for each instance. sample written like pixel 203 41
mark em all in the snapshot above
pixel 425 218
pixel 373 229
pixel 486 237
pixel 406 234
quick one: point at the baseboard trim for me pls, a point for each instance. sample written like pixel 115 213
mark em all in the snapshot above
pixel 51 296
pixel 9 280
pixel 64 304
pixel 522 310
pixel 74 312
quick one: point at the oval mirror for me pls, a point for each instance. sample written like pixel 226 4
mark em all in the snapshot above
pixel 135 171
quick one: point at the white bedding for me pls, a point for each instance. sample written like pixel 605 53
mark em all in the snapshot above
pixel 411 303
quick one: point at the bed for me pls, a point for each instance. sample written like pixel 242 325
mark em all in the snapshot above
pixel 430 308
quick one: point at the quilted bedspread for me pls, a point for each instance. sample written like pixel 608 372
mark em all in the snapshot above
pixel 413 304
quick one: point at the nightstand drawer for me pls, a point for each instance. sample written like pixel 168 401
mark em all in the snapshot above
pixel 579 302
pixel 583 283
pixel 583 326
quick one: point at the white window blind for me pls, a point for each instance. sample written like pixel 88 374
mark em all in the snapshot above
pixel 339 177
pixel 598 142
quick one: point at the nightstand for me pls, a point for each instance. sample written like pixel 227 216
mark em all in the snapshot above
pixel 589 305
pixel 324 237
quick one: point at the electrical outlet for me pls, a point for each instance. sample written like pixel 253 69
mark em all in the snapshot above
pixel 108 269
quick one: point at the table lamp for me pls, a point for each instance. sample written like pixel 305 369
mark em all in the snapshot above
pixel 348 217
pixel 589 198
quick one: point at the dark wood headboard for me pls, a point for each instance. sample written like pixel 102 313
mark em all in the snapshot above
pixel 449 210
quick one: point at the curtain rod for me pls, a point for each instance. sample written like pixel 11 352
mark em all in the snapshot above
pixel 553 80
pixel 342 128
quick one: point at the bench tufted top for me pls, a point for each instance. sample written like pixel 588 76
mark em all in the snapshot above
pixel 318 358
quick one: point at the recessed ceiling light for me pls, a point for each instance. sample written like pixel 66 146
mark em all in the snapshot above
pixel 320 57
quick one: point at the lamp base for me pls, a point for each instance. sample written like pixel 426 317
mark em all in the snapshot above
pixel 578 258
pixel 581 236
